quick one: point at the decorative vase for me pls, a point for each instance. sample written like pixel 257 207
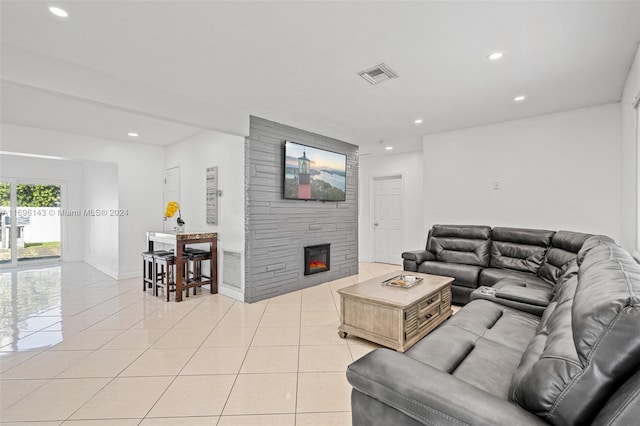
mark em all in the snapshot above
pixel 180 224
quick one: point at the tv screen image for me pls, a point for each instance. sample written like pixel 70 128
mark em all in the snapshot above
pixel 314 174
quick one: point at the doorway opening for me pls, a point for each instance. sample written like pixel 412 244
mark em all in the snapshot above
pixel 30 222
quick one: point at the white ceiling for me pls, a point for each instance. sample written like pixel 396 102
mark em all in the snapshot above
pixel 171 69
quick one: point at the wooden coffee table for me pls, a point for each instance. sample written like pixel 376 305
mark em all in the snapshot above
pixel 391 316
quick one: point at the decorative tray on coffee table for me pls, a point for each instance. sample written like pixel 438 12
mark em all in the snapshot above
pixel 402 281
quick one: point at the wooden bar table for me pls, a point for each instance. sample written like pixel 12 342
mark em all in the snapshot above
pixel 179 240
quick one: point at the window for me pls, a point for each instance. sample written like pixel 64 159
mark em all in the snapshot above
pixel 29 222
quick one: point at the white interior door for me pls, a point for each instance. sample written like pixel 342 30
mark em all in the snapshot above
pixel 387 219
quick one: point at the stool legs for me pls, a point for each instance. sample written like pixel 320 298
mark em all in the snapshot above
pixel 156 274
pixel 144 274
pixel 158 271
pixel 162 274
pixel 197 277
pixel 148 260
pixel 167 288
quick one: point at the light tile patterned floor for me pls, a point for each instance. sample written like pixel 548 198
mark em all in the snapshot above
pixel 79 348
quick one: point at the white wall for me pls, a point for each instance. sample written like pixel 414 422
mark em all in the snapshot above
pixel 560 171
pixel 410 167
pixel 44 224
pixel 630 159
pixel 40 170
pixel 101 194
pixel 194 155
pixel 140 175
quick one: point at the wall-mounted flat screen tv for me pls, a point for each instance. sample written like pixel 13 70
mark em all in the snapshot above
pixel 313 173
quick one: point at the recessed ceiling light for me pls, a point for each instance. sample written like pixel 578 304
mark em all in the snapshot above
pixel 388 148
pixel 495 56
pixel 133 134
pixel 418 121
pixel 519 98
pixel 58 12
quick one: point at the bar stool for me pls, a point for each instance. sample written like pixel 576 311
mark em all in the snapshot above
pixel 196 257
pixel 163 273
pixel 149 267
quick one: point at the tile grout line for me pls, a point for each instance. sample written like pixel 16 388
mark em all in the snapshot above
pixel 118 375
pixel 190 358
pixel 48 350
pixel 295 409
pixel 241 364
pixel 128 289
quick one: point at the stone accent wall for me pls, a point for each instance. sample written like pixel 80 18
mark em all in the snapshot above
pixel 277 229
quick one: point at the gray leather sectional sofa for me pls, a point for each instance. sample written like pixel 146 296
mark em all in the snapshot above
pixel 480 256
pixel 491 364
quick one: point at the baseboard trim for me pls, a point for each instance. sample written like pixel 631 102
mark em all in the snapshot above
pixel 102 269
pixel 232 293
pixel 129 275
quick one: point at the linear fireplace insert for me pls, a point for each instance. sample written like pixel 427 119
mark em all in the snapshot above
pixel 317 258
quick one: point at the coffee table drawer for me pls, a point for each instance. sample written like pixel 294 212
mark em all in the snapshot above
pixel 428 303
pixel 419 319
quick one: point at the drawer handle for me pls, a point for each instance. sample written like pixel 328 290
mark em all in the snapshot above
pixel 428 316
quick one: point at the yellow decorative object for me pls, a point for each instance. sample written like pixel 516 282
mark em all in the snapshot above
pixel 172 208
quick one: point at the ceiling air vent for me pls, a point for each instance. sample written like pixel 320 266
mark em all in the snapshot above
pixel 378 74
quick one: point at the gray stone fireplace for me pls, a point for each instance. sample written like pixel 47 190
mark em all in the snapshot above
pixel 277 228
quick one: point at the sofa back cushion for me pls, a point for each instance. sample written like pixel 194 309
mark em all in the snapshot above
pixel 587 344
pixel 465 244
pixel 518 248
pixel 564 248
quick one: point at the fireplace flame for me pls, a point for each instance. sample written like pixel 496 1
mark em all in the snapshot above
pixel 317 264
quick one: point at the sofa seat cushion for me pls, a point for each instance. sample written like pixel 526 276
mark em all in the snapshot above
pixel 465 275
pixel 482 345
pixel 507 326
pixel 540 285
pixel 394 383
pixel 518 293
pixel 490 276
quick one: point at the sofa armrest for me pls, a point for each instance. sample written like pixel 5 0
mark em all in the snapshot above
pixel 531 296
pixel 418 256
pixel 429 395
